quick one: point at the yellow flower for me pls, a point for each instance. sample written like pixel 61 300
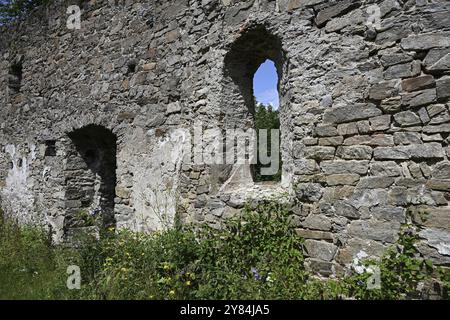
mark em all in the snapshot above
pixel 172 292
pixel 188 283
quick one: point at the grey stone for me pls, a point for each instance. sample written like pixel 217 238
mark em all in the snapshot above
pixel 354 152
pixel 375 182
pixel 383 90
pixel 317 222
pixel 441 170
pixel 331 141
pixel 406 70
pixel 385 168
pixel 443 87
pixel 431 150
pixel 320 249
pixel 319 153
pixel 434 55
pixel 349 113
pixel 347 129
pixel 309 192
pixel 334 10
pixel 314 234
pixel 345 209
pixel 380 123
pixel 345 167
pixel 385 231
pixel 342 179
pixel 426 41
pixel 389 213
pixel 395 153
pixel 419 98
pixel 406 138
pixel 407 118
pixel 418 83
pixel 326 131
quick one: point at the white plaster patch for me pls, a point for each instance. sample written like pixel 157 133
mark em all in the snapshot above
pixel 17 198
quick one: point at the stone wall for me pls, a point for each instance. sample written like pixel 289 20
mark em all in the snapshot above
pixel 364 110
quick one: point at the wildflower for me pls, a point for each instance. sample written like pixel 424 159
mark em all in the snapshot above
pixel 188 283
pixel 172 292
pixel 256 274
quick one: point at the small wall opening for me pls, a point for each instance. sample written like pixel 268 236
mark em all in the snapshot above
pixel 256 53
pixel 15 77
pixel 90 178
pixel 50 148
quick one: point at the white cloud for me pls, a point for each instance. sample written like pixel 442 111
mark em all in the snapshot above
pixel 268 97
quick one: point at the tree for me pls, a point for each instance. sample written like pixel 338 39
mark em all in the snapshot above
pixel 266 118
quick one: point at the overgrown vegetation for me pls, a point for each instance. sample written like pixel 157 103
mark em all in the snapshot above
pixel 256 255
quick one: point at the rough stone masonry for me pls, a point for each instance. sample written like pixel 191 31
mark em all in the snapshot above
pixel 88 115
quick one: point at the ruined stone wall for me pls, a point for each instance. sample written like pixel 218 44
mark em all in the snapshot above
pixel 364 113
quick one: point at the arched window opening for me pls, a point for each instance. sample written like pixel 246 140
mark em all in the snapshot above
pixel 252 98
pixel 267 99
pixel 15 77
pixel 90 178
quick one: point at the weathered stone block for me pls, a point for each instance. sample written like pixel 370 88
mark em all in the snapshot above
pixel 349 113
pixel 345 209
pixel 347 129
pixel 394 153
pixel 320 249
pixel 342 179
pixel 326 131
pixel 375 182
pixel 385 168
pixel 407 118
pixel 445 127
pixel 334 10
pixel 391 105
pixel 419 98
pixel 443 87
pixel 380 123
pixel 418 83
pixel 426 41
pixel 433 56
pixel 354 152
pixel 383 90
pixel 345 167
pixel 389 213
pixel 406 138
pixel 406 70
pixel 431 150
pixel 441 170
pixel 313 234
pixel 309 192
pixel 439 184
pixel 432 217
pixel 317 222
pixel 331 141
pixel 319 153
pixel 385 231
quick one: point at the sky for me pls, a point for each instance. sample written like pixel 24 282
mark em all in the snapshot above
pixel 265 84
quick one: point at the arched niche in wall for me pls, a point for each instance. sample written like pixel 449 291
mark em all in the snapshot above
pixel 90 178
pixel 255 46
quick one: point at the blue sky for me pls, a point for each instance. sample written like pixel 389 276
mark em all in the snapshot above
pixel 265 84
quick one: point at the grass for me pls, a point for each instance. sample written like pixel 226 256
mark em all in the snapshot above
pixel 256 255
